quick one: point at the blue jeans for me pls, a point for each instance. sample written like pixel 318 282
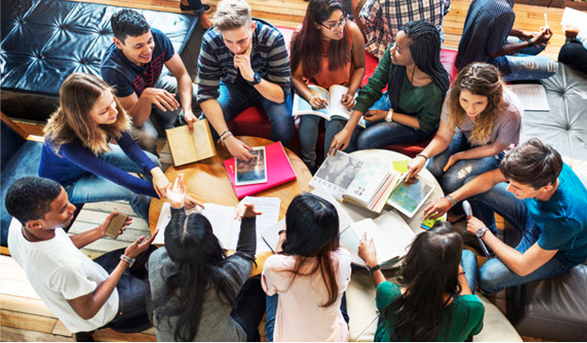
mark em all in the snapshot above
pixel 272 310
pixel 455 176
pixel 382 133
pixel 494 276
pixel 525 65
pixel 236 97
pixel 133 291
pixel 309 136
pixel 94 188
pixel 469 263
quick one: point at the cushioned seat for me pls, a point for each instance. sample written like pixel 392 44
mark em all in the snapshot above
pixel 45 41
pixel 556 309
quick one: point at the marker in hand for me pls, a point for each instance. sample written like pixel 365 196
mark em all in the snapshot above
pixel 469 213
pixel 467 208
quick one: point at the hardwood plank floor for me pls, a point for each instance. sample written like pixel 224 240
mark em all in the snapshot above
pixel 24 317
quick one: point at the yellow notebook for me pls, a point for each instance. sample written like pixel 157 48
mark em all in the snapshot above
pixel 189 147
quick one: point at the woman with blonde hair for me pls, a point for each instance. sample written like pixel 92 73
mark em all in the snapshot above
pixel 479 121
pixel 78 155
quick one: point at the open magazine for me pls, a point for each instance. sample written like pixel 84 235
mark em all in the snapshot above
pixel 348 178
pixel 334 110
pixel 409 197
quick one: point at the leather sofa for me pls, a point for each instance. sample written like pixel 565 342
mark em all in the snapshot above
pixel 556 309
pixel 44 41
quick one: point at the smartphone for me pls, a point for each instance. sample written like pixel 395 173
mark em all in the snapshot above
pixel 116 224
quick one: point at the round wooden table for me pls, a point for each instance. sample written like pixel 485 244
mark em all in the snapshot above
pixel 207 181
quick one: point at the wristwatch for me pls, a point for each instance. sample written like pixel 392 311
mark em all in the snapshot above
pixel 372 270
pixel 256 80
pixel 128 260
pixel 481 232
pixel 389 117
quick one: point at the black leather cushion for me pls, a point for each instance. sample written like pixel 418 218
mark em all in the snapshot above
pixel 44 41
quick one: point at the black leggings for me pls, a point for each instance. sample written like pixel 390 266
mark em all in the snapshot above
pixel 574 55
pixel 250 308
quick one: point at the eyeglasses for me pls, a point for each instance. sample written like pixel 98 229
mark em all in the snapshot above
pixel 341 23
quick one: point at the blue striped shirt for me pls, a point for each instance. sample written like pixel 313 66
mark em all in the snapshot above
pixel 488 24
pixel 268 58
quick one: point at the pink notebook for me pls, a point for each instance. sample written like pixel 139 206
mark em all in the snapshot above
pixel 279 171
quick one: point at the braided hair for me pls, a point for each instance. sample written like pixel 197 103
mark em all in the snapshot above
pixel 425 49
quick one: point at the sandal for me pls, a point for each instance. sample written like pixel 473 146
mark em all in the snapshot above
pixel 207 8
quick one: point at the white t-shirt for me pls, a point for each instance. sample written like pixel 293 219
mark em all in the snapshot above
pixel 58 271
pixel 299 316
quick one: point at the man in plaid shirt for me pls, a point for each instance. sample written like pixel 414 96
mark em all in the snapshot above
pixel 384 18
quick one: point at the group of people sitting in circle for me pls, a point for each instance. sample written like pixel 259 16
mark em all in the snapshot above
pixel 190 289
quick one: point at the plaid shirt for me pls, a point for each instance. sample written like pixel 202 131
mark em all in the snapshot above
pixel 268 58
pixel 383 19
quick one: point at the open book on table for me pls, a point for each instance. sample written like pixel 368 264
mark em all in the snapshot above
pixel 532 96
pixel 334 110
pixel 367 183
pixel 189 147
pixel 224 225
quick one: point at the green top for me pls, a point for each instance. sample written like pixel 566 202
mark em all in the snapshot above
pixel 463 316
pixel 425 103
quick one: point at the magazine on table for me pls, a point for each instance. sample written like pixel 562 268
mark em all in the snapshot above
pixel 224 225
pixel 348 178
pixel 334 109
pixel 408 197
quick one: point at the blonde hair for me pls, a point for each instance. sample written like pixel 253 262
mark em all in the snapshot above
pixel 480 79
pixel 77 96
pixel 232 14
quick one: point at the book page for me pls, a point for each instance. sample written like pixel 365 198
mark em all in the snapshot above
pixel 202 139
pixel 181 145
pixel 301 106
pixel 368 181
pixel 336 173
pixel 269 207
pixel 575 17
pixel 532 96
pixel 270 237
pixel 222 220
pixel 335 107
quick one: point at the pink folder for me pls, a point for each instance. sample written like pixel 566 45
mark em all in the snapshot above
pixel 279 171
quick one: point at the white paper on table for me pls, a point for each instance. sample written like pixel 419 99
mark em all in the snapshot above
pixel 270 237
pixel 574 17
pixel 269 207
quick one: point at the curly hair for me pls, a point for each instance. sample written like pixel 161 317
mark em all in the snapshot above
pixel 480 79
pixel 77 96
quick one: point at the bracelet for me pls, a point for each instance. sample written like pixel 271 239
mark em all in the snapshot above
pixel 372 270
pixel 422 155
pixel 451 199
pixel 224 136
pixel 529 42
pixel 128 260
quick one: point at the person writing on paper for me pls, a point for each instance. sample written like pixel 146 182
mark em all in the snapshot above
pixel 243 63
pixel 84 294
pixel 480 119
pixel 574 52
pixel 78 155
pixel 327 49
pixel 198 293
pixel 488 36
pixel 433 299
pixel 541 196
pixel 409 111
pixel 306 279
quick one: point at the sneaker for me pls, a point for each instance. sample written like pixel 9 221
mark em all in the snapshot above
pixel 207 8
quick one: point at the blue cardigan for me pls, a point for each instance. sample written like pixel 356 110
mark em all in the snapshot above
pixel 76 160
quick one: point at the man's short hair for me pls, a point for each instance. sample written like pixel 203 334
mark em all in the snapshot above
pixel 232 14
pixel 128 22
pixel 532 163
pixel 30 198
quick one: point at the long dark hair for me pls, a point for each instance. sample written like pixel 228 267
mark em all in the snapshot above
pixel 312 234
pixel 431 270
pixel 425 49
pixel 306 45
pixel 196 255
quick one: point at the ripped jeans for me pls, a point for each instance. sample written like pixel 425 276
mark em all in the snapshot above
pixel 525 65
pixel 455 176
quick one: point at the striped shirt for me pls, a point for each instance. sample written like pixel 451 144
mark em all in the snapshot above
pixel 268 58
pixel 126 77
pixel 384 18
pixel 487 26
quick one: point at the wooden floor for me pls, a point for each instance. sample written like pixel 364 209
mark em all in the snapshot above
pixel 23 316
